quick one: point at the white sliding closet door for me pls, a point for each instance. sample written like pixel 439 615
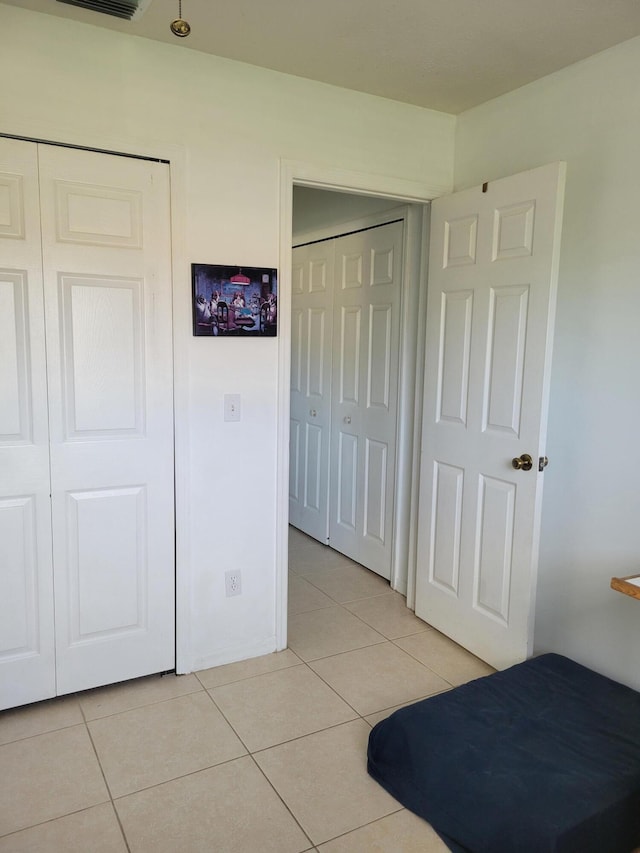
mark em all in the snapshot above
pixel 27 665
pixel 106 257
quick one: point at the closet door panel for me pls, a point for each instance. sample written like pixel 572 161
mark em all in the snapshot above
pixel 365 392
pixel 27 665
pixel 108 306
pixel 312 330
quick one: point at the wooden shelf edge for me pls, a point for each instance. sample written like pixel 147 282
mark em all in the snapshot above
pixel 621 585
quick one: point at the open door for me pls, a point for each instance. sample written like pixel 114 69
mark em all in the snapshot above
pixel 491 304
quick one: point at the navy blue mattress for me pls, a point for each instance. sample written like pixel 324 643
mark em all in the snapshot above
pixel 541 758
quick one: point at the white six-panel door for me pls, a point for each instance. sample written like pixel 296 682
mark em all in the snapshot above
pixel 27 663
pixel 368 285
pixel 491 304
pixel 104 248
pixel 311 336
pixel 106 256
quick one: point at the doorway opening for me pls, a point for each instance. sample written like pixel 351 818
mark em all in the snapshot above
pixel 417 195
pixel 355 297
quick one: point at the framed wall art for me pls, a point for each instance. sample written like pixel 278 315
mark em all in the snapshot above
pixel 234 301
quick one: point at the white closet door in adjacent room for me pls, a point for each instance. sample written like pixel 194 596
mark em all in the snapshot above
pixel 368 285
pixel 27 666
pixel 107 281
pixel 311 335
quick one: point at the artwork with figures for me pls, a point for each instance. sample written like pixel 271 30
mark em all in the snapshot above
pixel 234 300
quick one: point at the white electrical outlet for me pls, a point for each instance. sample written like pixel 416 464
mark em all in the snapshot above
pixel 233 583
pixel 232 407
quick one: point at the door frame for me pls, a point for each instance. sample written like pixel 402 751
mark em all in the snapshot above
pixel 413 325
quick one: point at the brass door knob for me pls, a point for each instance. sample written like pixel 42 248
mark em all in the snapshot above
pixel 522 463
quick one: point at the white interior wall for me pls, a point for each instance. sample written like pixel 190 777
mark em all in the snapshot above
pixel 588 115
pixel 319 210
pixel 227 127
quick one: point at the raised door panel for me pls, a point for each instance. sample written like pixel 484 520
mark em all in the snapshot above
pixel 375 490
pixel 313 473
pixel 493 568
pixel 297 356
pixel 103 366
pixel 27 660
pixel 12 201
pixel 346 506
pixel 505 358
pixel 19 625
pixel 317 379
pixel 27 664
pixel 297 393
pixel 107 564
pixel 106 253
pixel 15 359
pixel 443 566
pixel 380 356
pixel 294 466
pixel 348 389
pixel 460 241
pixel 453 356
pixel 98 215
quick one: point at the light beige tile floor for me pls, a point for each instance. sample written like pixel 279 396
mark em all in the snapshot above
pixel 261 756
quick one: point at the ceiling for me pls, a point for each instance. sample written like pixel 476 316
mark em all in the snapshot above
pixel 444 54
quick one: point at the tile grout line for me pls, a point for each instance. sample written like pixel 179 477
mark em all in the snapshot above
pixel 422 662
pixel 289 740
pixel 351 600
pixel 388 639
pixel 145 704
pixel 254 675
pixel 269 782
pixel 331 687
pixel 111 800
pixel 370 823
pixel 37 734
pixel 342 606
pixel 279 796
pixel 51 819
pixel 253 753
pixel 180 776
pixel 370 645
